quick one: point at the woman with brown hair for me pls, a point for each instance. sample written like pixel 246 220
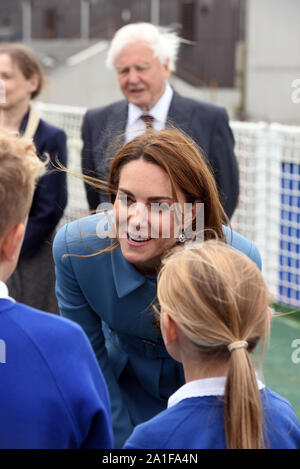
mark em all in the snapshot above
pixel 214 309
pixel 106 275
pixel 21 81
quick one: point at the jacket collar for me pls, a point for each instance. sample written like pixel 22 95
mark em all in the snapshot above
pixel 115 128
pixel 24 122
pixel 127 279
pixel 179 114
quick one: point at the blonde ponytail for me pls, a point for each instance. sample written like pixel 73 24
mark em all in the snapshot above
pixel 219 300
pixel 242 404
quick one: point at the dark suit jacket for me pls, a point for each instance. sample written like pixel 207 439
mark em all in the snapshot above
pixel 207 124
pixel 50 196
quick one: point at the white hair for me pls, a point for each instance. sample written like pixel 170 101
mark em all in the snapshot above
pixel 165 44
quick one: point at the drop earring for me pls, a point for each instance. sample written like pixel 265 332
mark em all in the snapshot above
pixel 182 237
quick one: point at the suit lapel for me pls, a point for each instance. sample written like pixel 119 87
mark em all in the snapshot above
pixel 118 118
pixel 179 114
pixel 113 137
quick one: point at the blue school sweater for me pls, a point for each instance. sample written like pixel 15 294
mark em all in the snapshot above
pixel 194 419
pixel 52 393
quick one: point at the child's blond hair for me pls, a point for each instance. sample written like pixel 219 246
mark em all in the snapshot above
pixel 20 168
pixel 217 296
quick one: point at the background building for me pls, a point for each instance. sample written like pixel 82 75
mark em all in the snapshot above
pixel 242 54
pixel 58 30
pixel 273 60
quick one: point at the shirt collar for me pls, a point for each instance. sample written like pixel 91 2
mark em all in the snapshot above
pixel 161 108
pixel 202 387
pixel 4 292
pixel 159 111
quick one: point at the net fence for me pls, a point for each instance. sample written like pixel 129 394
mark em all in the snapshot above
pixel 268 212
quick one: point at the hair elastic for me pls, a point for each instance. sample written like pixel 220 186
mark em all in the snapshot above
pixel 237 344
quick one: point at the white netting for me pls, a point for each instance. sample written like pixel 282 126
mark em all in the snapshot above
pixel 269 206
pixel 70 119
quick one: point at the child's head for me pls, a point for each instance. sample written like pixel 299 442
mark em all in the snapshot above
pixel 215 296
pixel 19 170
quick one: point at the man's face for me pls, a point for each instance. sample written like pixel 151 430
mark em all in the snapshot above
pixel 141 75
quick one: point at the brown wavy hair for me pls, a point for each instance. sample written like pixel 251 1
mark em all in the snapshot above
pixel 184 162
pixel 186 165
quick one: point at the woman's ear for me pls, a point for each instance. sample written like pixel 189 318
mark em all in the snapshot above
pixel 33 82
pixel 198 210
pixel 194 212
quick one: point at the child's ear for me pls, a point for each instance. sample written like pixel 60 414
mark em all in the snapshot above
pixel 169 329
pixel 12 241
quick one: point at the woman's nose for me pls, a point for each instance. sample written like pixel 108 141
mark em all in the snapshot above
pixel 138 215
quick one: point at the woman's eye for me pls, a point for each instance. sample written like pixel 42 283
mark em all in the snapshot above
pixel 124 199
pixel 156 208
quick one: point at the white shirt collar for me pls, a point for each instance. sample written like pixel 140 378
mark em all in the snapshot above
pixel 4 292
pixel 159 111
pixel 161 108
pixel 202 387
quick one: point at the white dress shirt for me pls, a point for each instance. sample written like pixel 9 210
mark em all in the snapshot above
pixel 201 388
pixel 4 292
pixel 136 126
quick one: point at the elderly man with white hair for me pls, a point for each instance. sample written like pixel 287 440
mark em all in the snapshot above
pixel 144 55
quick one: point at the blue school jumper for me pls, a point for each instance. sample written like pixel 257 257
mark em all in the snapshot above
pixel 194 419
pixel 52 393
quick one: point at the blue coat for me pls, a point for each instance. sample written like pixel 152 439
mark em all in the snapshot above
pixel 52 393
pixel 111 300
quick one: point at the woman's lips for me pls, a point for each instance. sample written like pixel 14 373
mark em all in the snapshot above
pixel 137 241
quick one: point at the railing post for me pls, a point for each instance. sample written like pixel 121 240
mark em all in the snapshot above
pixel 26 20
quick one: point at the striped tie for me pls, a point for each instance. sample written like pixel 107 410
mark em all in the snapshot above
pixel 148 120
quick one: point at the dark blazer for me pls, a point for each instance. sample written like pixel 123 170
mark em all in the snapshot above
pixel 207 124
pixel 50 196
